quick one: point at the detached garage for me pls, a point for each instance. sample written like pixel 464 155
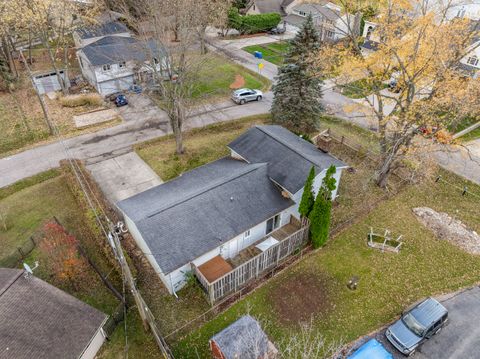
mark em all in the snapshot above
pixel 48 82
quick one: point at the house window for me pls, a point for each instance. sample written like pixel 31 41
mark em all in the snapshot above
pixel 273 223
pixel 156 61
pixel 246 234
pixel 121 64
pixel 472 60
pixel 330 34
pixel 106 67
pixel 302 13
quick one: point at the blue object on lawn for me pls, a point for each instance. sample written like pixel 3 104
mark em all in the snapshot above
pixel 258 54
pixel 372 349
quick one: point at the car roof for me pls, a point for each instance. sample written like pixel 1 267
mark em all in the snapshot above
pixel 242 90
pixel 372 349
pixel 428 312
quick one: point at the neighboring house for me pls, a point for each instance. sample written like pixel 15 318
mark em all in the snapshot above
pixel 331 22
pixel 214 212
pixel 38 320
pixel 114 63
pixel 243 339
pixel 282 7
pixel 87 35
pixel 371 39
pixel 470 64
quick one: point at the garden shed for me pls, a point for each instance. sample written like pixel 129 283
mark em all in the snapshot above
pixel 243 339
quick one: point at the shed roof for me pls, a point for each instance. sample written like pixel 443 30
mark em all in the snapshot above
pixel 289 157
pixel 38 320
pixel 109 28
pixel 197 212
pixel 243 339
pixel 115 49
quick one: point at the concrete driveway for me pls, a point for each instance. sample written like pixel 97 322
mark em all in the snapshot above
pixel 459 339
pixel 140 106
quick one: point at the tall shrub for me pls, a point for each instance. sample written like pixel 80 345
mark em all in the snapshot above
pixel 322 208
pixel 251 24
pixel 308 197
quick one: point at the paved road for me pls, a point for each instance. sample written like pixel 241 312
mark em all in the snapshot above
pixel 462 160
pixel 459 339
pixel 108 143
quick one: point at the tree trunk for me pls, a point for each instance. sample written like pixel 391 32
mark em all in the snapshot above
pixel 54 65
pixel 203 44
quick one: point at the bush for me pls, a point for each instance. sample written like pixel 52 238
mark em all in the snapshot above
pixel 88 99
pixel 252 24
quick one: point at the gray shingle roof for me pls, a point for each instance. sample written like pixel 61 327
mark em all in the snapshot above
pixel 38 320
pixel 109 28
pixel 242 339
pixel 289 157
pixel 318 9
pixel 115 49
pixel 202 209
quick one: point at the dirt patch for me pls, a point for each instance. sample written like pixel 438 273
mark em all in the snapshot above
pixel 301 297
pixel 448 228
pixel 238 83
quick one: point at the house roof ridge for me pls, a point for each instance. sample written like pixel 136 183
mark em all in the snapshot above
pixel 248 168
pixel 12 281
pixel 276 138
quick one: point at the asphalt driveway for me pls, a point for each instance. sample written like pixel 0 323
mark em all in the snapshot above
pixel 459 339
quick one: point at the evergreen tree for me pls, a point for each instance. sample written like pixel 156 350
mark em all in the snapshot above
pixel 321 212
pixel 308 197
pixel 297 92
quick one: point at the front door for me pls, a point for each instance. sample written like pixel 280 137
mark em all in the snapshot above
pixel 273 223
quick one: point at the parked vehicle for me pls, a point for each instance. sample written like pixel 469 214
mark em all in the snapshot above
pixel 135 89
pixel 242 96
pixel 276 31
pixel 417 325
pixel 121 100
pixel 372 349
pixel 112 97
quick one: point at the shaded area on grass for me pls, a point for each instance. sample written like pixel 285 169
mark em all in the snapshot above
pixel 202 145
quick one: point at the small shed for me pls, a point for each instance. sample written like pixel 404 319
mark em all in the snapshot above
pixel 243 339
pixel 48 81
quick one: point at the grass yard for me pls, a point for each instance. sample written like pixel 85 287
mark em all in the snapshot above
pixel 273 52
pixel 218 73
pixel 202 145
pixel 360 88
pixel 457 127
pixel 388 282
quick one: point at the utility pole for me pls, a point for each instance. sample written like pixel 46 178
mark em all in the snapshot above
pixel 148 319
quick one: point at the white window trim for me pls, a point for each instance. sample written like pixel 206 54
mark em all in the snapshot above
pixel 105 69
pixel 473 60
pixel 247 234
pixel 122 64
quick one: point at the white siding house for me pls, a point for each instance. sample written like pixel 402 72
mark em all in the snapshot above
pixel 219 209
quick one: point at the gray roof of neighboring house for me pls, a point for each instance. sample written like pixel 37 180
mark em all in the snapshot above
pixel 295 20
pixel 115 49
pixel 38 320
pixel 242 339
pixel 109 28
pixel 370 45
pixel 318 9
pixel 197 212
pixel 289 157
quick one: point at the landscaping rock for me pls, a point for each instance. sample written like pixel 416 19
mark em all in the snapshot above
pixel 448 228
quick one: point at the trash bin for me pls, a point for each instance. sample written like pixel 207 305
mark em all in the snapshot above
pixel 258 54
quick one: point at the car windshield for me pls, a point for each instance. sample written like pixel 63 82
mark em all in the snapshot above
pixel 412 324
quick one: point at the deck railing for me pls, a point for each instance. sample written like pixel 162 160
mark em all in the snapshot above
pixel 253 268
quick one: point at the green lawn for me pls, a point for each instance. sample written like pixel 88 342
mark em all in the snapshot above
pixel 361 88
pixel 457 127
pixel 273 52
pixel 388 282
pixel 218 73
pixel 202 145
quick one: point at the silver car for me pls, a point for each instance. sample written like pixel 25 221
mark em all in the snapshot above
pixel 242 96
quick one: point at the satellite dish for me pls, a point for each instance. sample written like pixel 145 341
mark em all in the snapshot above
pixel 27 268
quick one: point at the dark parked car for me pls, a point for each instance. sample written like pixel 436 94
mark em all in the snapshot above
pixel 417 325
pixel 276 31
pixel 245 95
pixel 112 97
pixel 121 100
pixel 135 89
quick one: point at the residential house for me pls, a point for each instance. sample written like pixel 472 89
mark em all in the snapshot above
pixel 213 213
pixel 244 339
pixel 470 64
pixel 114 63
pixel 332 23
pixel 282 7
pixel 371 39
pixel 38 320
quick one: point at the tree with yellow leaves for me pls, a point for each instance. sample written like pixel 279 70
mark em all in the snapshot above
pixel 418 51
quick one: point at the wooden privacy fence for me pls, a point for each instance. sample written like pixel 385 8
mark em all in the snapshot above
pixel 253 268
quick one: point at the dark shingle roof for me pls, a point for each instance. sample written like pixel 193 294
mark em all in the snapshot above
pixel 202 209
pixel 289 157
pixel 38 320
pixel 370 45
pixel 115 49
pixel 109 28
pixel 242 339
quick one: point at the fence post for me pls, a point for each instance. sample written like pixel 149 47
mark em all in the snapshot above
pixel 22 256
pixel 278 254
pixel 211 294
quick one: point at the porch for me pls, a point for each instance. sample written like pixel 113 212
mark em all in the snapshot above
pixel 220 277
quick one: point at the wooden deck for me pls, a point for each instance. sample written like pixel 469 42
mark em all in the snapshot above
pixel 215 268
pixel 251 251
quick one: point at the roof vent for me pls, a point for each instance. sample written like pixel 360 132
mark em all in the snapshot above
pixel 231 199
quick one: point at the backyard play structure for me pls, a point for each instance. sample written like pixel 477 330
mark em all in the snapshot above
pixel 385 241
